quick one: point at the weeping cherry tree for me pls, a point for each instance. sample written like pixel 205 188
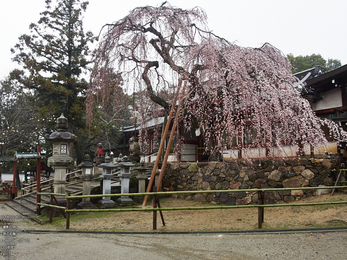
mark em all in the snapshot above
pixel 232 91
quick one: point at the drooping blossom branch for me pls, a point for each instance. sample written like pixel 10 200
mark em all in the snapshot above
pixel 232 91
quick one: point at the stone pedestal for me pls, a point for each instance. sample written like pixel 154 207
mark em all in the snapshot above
pixel 60 164
pixel 142 183
pixel 106 202
pixel 142 177
pixel 59 179
pixel 125 181
pixel 85 203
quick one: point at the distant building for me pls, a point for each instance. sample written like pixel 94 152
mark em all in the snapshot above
pixel 327 94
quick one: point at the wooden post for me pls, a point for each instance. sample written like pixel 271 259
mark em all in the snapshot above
pixel 14 191
pixel 38 180
pixel 51 210
pixel 38 198
pixel 260 209
pixel 68 206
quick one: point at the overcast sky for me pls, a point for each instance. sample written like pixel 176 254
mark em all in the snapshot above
pixel 300 27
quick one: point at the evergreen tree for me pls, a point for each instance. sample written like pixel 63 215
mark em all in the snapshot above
pixel 301 63
pixel 54 57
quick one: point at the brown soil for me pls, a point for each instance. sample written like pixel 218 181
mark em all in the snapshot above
pixel 210 220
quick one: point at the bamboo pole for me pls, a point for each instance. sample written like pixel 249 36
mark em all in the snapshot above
pixel 200 191
pixel 162 170
pixel 149 187
pixel 51 193
pixel 51 205
pixel 208 207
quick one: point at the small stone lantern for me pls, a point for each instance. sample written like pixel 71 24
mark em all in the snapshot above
pixel 107 176
pixel 87 177
pixel 61 159
pixel 125 180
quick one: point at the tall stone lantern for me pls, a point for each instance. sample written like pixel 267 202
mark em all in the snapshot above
pixel 107 177
pixel 125 176
pixel 61 159
pixel 87 177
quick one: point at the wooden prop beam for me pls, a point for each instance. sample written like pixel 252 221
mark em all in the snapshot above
pixel 162 170
pixel 162 143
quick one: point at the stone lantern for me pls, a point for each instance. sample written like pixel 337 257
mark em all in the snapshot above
pixel 125 180
pixel 87 177
pixel 107 176
pixel 61 159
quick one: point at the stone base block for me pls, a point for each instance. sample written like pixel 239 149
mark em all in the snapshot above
pixel 105 204
pixel 85 205
pixel 125 201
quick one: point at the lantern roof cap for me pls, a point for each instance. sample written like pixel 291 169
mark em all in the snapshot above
pixel 108 163
pixel 125 162
pixel 61 134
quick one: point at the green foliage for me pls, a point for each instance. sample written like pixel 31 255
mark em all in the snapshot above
pixel 301 63
pixel 16 108
pixel 54 56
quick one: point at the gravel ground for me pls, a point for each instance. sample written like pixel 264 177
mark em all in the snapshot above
pixel 330 245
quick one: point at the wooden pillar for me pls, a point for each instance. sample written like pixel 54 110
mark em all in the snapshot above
pixel 14 190
pixel 38 179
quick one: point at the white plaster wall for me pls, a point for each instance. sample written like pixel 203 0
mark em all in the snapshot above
pixel 230 154
pixel 254 153
pixel 330 148
pixel 152 158
pixel 331 99
pixel 188 152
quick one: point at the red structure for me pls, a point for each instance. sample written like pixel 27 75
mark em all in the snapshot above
pixel 18 156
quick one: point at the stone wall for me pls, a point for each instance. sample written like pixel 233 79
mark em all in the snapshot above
pixel 244 175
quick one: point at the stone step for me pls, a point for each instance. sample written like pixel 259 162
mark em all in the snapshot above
pixel 29 213
pixel 26 204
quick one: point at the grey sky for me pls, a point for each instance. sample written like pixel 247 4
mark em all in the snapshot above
pixel 301 27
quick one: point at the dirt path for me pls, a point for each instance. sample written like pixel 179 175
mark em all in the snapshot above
pixel 164 246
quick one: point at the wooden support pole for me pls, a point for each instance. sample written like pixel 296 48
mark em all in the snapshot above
pixel 161 212
pixel 162 143
pixel 162 170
